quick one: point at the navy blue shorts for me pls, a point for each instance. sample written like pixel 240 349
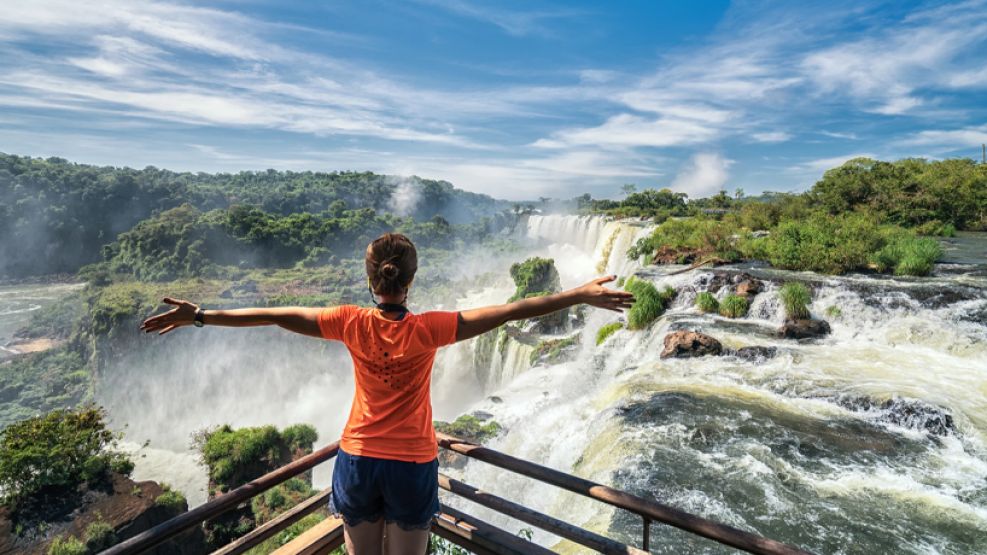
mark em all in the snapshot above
pixel 365 489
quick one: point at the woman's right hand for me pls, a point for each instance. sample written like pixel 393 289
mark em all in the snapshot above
pixel 182 315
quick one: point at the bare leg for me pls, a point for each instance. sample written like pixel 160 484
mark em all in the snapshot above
pixel 405 542
pixel 366 538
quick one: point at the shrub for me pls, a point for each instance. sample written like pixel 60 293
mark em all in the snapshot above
pixel 172 500
pixel 469 427
pixel 57 451
pixel 907 255
pixel 67 545
pixel 702 235
pixel 534 277
pixel 550 350
pixel 795 297
pixel 826 244
pixel 834 311
pixel 733 306
pixel 288 534
pixel 225 449
pixel 99 536
pixel 649 303
pixel 606 331
pixel 300 437
pixel 706 302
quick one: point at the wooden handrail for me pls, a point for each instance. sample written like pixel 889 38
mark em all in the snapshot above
pixel 170 528
pixel 276 524
pixel 722 533
pixel 480 537
pixel 573 533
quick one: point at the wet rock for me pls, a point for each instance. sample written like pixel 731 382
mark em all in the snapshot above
pixel 755 353
pixel 804 329
pixel 747 288
pixel 495 399
pixel 907 413
pixel 686 344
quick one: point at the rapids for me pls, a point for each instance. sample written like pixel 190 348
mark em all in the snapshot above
pixel 871 440
pixel 827 445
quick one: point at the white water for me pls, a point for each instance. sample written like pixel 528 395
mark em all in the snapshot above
pixel 765 446
pixel 760 446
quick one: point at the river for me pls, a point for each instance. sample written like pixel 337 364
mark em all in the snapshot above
pixel 871 440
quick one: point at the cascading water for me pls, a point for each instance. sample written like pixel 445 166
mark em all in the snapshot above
pixel 870 440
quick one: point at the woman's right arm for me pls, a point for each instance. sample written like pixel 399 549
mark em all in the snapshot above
pixel 480 320
pixel 297 319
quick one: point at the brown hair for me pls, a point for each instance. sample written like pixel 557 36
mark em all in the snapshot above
pixel 391 263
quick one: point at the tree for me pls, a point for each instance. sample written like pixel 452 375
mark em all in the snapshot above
pixel 628 189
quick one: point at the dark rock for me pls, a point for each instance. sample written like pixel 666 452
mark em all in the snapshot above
pixel 749 287
pixel 685 344
pixel 128 506
pixel 907 413
pixel 227 294
pixel 495 399
pixel 804 329
pixel 755 353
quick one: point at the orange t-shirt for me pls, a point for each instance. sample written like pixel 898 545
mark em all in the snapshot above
pixel 391 417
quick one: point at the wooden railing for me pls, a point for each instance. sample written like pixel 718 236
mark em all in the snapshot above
pixel 454 525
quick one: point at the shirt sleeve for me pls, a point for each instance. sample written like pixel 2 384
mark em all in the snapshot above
pixel 442 326
pixel 332 321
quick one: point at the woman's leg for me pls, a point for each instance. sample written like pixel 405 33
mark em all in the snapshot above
pixel 366 538
pixel 405 542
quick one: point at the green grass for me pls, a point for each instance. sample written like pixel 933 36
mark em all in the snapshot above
pixel 99 536
pixel 834 311
pixel 172 500
pixel 795 297
pixel 607 330
pixel 551 349
pixel 469 427
pixel 649 303
pixel 706 302
pixel 67 545
pixel 733 306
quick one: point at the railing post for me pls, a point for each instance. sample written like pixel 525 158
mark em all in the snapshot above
pixel 647 533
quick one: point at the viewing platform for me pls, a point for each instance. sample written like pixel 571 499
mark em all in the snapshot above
pixel 457 527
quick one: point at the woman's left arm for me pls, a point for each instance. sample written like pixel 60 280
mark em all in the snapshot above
pixel 297 319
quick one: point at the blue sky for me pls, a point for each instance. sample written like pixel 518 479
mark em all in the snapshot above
pixel 514 99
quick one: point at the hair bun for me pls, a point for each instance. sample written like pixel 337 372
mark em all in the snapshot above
pixel 389 271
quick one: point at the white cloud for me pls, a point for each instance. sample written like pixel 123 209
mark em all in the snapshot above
pixel 704 175
pixel 630 130
pixel 950 139
pixel 822 164
pixel 771 137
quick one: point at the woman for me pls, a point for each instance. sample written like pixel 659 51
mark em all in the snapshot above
pixel 385 475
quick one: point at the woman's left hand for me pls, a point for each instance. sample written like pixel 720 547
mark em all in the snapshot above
pixel 595 294
pixel 182 315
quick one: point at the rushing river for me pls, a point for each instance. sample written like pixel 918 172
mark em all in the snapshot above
pixel 871 440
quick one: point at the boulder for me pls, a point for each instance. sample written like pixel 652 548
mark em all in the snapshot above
pixel 804 329
pixel 749 287
pixel 685 344
pixel 755 353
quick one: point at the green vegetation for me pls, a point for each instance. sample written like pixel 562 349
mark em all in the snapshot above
pixel 67 545
pixel 907 255
pixel 865 214
pixel 706 302
pixel 550 350
pixel 834 311
pixel 534 277
pixel 795 297
pixel 733 306
pixel 40 382
pixel 61 209
pixel 55 454
pixel 469 427
pixel 172 500
pixel 649 303
pixel 651 203
pixel 99 536
pixel 288 534
pixel 607 330
pixel 236 456
pixel 280 498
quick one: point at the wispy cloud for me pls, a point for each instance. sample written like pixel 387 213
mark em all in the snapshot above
pixel 705 174
pixel 514 22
